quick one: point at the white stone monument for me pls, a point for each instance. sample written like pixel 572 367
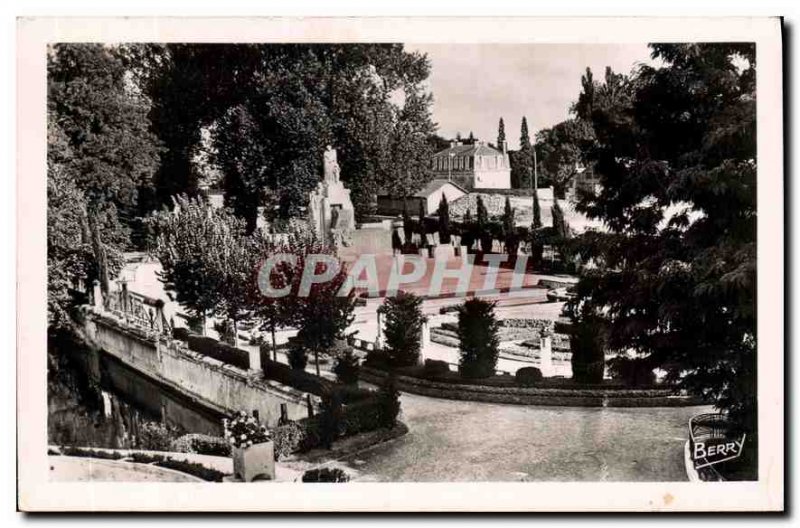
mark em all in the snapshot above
pixel 330 209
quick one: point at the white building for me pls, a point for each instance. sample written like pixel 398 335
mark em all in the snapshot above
pixel 475 166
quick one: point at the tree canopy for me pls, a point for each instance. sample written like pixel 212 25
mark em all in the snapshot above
pixel 675 275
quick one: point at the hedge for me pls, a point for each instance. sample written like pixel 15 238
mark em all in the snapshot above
pixel 210 347
pixel 306 434
pixel 307 382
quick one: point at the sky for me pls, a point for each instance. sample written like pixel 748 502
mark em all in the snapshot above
pixel 473 85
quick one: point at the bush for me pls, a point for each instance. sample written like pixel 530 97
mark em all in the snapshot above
pixel 388 402
pixel 403 328
pixel 330 419
pixel 155 436
pixel 378 359
pixel 181 334
pixel 299 379
pixel 288 439
pixel 325 475
pixel 298 359
pixel 192 468
pixel 434 367
pixel 586 342
pixel 346 367
pixel 632 372
pixel 528 376
pixel 478 341
pixel 202 445
pixel 91 453
pixel 219 351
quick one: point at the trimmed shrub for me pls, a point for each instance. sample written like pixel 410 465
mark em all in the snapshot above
pixel 403 328
pixel 155 436
pixel 444 221
pixel 587 346
pixel 632 372
pixel 220 351
pixel 191 468
pixel 325 475
pixel 528 376
pixel 435 367
pixel 298 359
pixel 202 445
pixel 330 419
pixel 478 341
pixel 181 334
pixel 388 402
pixel 378 359
pixel 346 367
pixel 91 453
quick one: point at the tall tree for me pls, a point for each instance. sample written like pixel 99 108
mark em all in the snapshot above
pixel 522 160
pixel 501 134
pixel 676 275
pixel 444 220
pixel 101 117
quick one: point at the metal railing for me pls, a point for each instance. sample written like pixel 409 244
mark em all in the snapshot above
pixel 138 310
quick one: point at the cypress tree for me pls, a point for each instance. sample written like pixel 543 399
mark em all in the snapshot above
pixel 501 134
pixel 444 221
pixel 537 212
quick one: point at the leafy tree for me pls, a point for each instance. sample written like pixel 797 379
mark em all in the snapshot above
pixel 444 221
pixel 501 134
pixel 676 274
pixel 478 341
pixel 101 118
pixel 403 322
pixel 190 86
pixel 560 152
pixel 322 316
pixel 186 238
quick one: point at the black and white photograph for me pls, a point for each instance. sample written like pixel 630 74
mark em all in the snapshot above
pixel 409 260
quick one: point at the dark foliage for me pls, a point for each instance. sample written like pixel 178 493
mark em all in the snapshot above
pixel 346 367
pixel 478 341
pixel 528 376
pixel 220 351
pixel 326 475
pixel 403 321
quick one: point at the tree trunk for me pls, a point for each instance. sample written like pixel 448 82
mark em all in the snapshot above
pixel 316 360
pixel 274 346
pixel 235 334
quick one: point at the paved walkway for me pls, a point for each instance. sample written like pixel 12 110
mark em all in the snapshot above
pixel 78 469
pixel 468 441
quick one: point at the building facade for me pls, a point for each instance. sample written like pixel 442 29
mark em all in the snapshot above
pixel 429 196
pixel 474 166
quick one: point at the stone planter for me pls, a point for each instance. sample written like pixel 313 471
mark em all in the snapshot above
pixel 255 461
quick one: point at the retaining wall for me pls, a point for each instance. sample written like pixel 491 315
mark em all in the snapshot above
pixel 211 383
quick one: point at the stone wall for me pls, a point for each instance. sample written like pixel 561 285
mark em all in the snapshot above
pixel 210 383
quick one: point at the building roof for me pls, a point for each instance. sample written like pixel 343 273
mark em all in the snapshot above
pixel 434 185
pixel 476 149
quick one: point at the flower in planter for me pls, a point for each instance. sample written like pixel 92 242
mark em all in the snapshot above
pixel 243 430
